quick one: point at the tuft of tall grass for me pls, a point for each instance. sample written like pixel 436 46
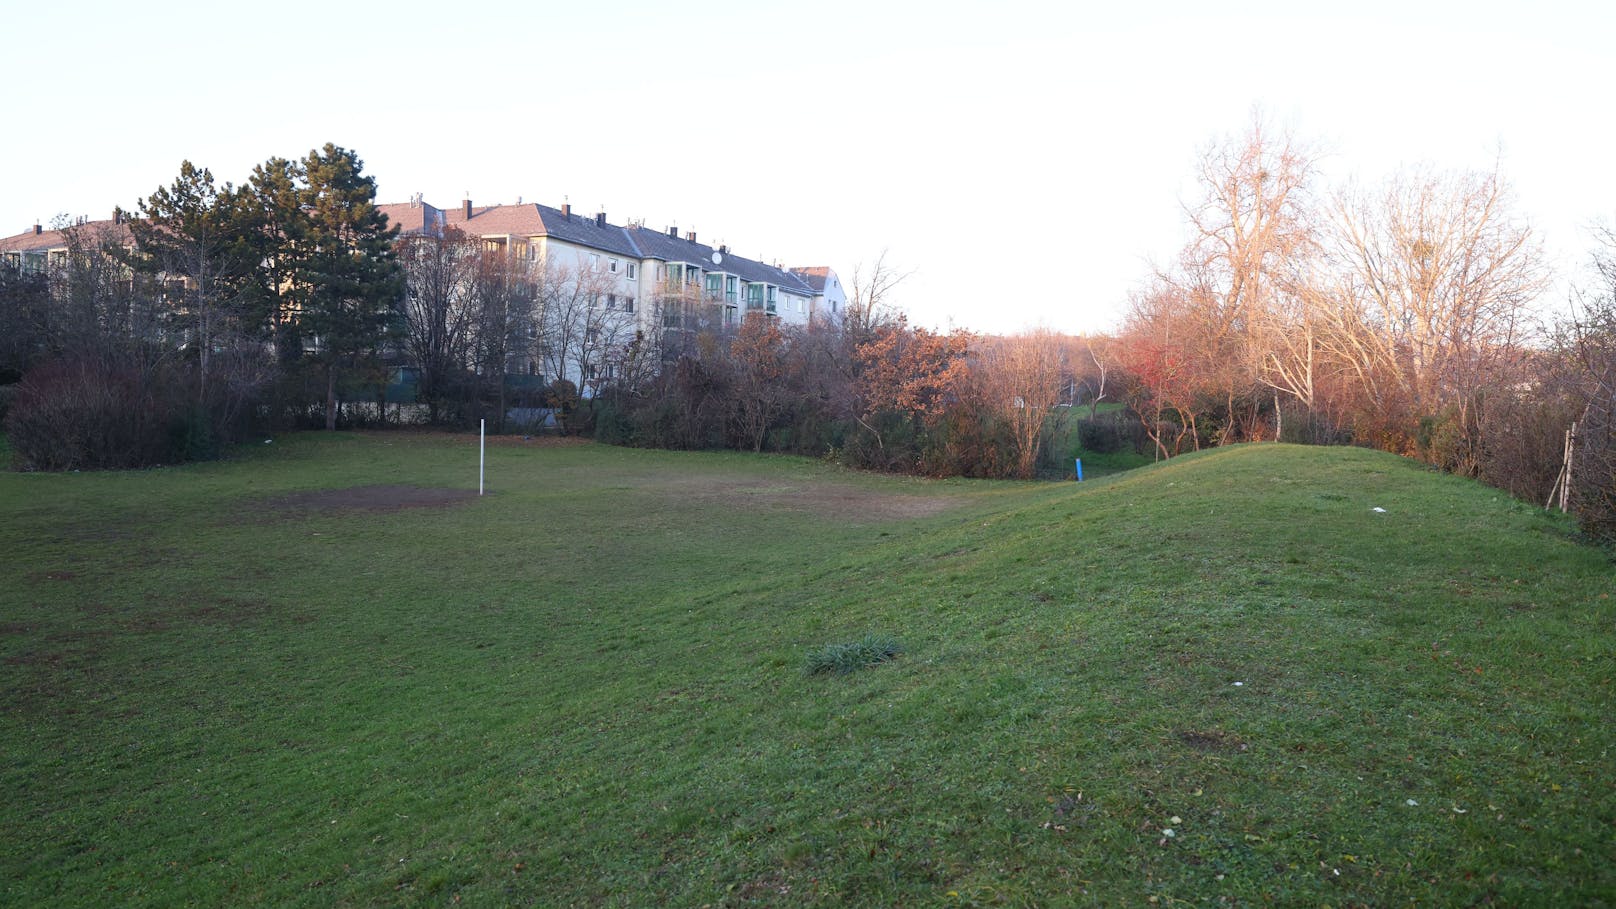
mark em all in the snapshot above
pixel 870 650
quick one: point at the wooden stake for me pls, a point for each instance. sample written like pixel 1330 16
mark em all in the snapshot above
pixel 1561 481
pixel 1571 448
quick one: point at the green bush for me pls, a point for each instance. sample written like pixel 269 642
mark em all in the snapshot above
pixel 1446 439
pixel 613 425
pixel 1101 435
pixel 870 650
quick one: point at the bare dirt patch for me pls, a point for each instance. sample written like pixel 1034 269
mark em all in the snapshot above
pixel 230 610
pixel 385 497
pixel 470 438
pixel 833 500
pixel 101 531
pixel 1212 740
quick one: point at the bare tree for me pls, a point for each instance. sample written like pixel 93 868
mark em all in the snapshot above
pixel 1252 229
pixel 757 360
pixel 870 304
pixel 101 305
pixel 1100 355
pixel 505 294
pixel 441 315
pixel 1293 361
pixel 1160 347
pixel 1587 340
pixel 1436 278
pixel 1021 377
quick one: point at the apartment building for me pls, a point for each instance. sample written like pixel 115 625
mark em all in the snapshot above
pixel 830 298
pixel 659 274
pixel 39 249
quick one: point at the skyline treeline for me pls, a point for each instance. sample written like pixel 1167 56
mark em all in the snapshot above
pixel 1399 315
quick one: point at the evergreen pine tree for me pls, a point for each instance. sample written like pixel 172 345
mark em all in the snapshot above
pixel 349 273
pixel 272 208
pixel 189 233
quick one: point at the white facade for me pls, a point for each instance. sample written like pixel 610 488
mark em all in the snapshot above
pixel 642 281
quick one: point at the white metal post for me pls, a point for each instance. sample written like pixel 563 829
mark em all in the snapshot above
pixel 482 453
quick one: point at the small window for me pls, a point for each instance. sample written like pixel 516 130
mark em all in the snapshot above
pixel 611 301
pixel 631 270
pixel 611 266
pixel 594 262
pixel 628 304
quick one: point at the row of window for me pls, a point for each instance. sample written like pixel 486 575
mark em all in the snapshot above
pixel 613 264
pixel 758 296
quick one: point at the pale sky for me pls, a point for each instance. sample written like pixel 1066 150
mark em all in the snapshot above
pixel 1025 162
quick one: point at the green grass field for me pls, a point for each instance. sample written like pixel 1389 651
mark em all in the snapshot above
pixel 1223 679
pixel 1067 444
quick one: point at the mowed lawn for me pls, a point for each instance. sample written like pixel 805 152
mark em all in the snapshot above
pixel 323 674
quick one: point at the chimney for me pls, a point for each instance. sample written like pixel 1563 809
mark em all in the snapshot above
pixel 37 229
pixel 673 233
pixel 566 210
pixel 723 249
pixel 691 236
pixel 600 219
pixel 468 209
pixel 117 216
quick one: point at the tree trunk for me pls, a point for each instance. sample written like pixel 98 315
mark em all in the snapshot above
pixel 331 396
pixel 499 421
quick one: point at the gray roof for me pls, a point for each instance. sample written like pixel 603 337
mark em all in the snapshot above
pixel 768 274
pixel 813 277
pixel 584 230
pixel 632 242
pixel 656 244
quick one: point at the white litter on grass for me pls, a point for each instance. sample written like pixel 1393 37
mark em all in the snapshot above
pixel 1239 684
pixel 1412 804
pixel 1169 832
pixel 1378 510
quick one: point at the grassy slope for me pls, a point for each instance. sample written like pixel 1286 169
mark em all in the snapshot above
pixel 587 688
pixel 1096 464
